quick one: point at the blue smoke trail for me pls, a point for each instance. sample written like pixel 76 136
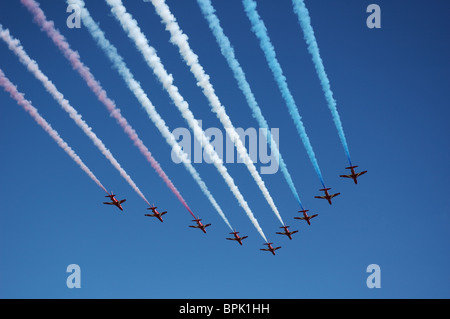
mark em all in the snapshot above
pixel 260 30
pixel 228 52
pixel 308 32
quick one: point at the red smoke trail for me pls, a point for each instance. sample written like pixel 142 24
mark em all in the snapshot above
pixel 33 67
pixel 74 58
pixel 20 99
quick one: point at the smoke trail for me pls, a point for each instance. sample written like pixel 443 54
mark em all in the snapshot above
pixel 260 31
pixel 95 86
pixel 313 48
pixel 180 40
pixel 137 90
pixel 20 99
pixel 33 67
pixel 134 32
pixel 228 52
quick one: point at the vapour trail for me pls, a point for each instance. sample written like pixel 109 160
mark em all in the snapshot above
pixel 101 95
pixel 260 31
pixel 134 32
pixel 134 86
pixel 313 48
pixel 32 66
pixel 180 39
pixel 227 50
pixel 28 107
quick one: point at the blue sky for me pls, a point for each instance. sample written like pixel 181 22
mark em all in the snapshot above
pixel 391 86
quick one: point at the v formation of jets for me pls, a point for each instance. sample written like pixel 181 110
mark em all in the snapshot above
pixel 158 69
pixel 354 176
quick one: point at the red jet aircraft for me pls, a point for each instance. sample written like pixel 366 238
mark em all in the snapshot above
pixel 287 232
pixel 115 201
pixel 353 175
pixel 327 196
pixel 237 237
pixel 155 213
pixel 271 249
pixel 305 216
pixel 200 225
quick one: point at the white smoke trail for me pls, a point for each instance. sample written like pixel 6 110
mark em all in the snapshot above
pixel 118 63
pixel 95 86
pixel 20 99
pixel 181 41
pixel 134 32
pixel 15 46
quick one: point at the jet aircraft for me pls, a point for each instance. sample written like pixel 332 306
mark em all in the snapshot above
pixel 353 175
pixel 237 237
pixel 155 213
pixel 327 196
pixel 115 202
pixel 199 225
pixel 305 216
pixel 270 248
pixel 287 232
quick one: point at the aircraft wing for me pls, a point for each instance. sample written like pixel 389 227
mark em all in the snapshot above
pixel 163 213
pixel 346 176
pixel 265 249
pixel 123 200
pixel 302 218
pixel 322 197
pixel 334 195
pixel 207 225
pixel 281 233
pixel 361 173
pixel 244 237
pixel 108 203
pixel 194 226
pixel 277 248
pixel 315 215
pixel 231 238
